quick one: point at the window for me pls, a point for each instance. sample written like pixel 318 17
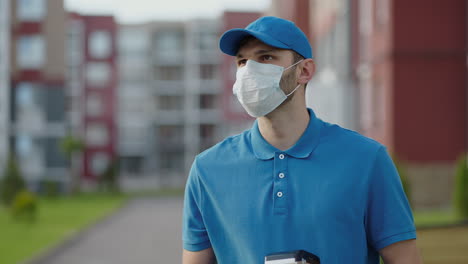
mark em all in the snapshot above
pixel 54 157
pixel 24 145
pixel 29 103
pixel 208 41
pixel 207 101
pixel 169 73
pixel 169 41
pixel 30 52
pixel 132 133
pixel 133 41
pixel 94 105
pixel 31 10
pixel 172 161
pixel 99 163
pixel 207 136
pixel 171 133
pixel 132 71
pixel 98 73
pixel 207 131
pixel 54 104
pixel 167 102
pixel 133 165
pixel 207 71
pixel 99 43
pixel 97 135
pixel 25 95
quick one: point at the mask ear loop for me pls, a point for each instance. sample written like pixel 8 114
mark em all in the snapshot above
pixel 293 65
pixel 299 84
pixel 293 91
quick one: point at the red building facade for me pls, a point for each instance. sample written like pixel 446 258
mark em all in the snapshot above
pixel 408 61
pixel 95 100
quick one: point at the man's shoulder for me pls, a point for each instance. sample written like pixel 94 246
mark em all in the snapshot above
pixel 230 147
pixel 345 137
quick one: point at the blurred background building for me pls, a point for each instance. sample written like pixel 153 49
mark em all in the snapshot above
pixel 92 88
pixel 136 145
pixel 148 97
pixel 168 97
pixel 100 86
pixel 38 87
pixel 4 81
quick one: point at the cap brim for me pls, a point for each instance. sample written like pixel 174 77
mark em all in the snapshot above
pixel 230 40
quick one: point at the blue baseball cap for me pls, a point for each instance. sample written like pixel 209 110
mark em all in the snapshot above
pixel 273 31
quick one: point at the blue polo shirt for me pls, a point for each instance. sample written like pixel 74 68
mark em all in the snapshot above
pixel 335 193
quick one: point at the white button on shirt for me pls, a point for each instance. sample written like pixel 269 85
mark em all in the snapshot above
pixel 281 156
pixel 281 175
pixel 279 194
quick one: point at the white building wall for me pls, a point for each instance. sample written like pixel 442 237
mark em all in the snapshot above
pixel 4 81
pixel 332 93
pixel 175 100
pixel 203 80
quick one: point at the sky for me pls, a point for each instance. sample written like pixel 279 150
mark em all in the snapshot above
pixel 135 11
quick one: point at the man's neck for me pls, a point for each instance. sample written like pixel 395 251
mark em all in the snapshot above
pixel 283 127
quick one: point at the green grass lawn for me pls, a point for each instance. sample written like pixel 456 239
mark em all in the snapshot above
pixel 435 218
pixel 57 219
pixel 61 218
pixel 444 244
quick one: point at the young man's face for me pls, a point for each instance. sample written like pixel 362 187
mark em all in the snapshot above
pixel 260 52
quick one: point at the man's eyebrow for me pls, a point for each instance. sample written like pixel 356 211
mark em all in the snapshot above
pixel 259 52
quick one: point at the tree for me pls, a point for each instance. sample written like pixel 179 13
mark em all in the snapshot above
pixel 109 180
pixel 12 182
pixel 461 187
pixel 402 171
pixel 72 147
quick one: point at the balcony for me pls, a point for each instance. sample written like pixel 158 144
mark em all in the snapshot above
pixel 133 147
pixel 175 87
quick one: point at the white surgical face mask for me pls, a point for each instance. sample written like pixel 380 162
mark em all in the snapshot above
pixel 257 87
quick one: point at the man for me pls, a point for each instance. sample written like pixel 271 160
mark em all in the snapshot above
pixel 293 181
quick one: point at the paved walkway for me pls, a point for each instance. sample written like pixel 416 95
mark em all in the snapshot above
pixel 145 231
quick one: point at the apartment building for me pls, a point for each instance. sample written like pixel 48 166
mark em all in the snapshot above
pixel 92 79
pixel 38 81
pixel 412 75
pixel 169 97
pixel 4 82
pixel 135 116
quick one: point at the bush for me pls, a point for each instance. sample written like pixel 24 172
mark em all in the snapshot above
pixel 404 177
pixel 24 206
pixel 11 183
pixel 109 180
pixel 461 187
pixel 50 188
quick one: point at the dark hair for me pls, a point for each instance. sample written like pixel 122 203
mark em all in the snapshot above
pixel 296 56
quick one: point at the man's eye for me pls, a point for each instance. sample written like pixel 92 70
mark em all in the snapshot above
pixel 267 57
pixel 241 62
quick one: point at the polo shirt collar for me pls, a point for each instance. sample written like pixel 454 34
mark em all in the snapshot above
pixel 303 147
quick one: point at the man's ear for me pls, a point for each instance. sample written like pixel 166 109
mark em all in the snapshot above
pixel 307 71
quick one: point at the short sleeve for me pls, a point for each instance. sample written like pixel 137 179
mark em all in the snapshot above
pixel 388 216
pixel 194 234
